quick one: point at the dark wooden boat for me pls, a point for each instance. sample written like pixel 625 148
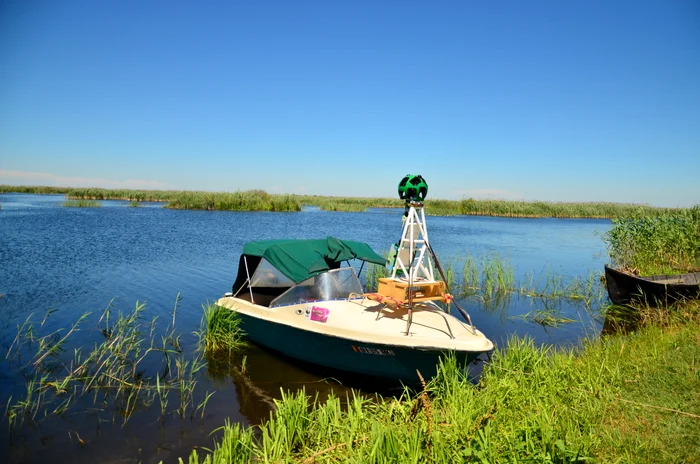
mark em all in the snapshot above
pixel 657 290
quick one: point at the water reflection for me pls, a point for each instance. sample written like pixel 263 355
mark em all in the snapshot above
pixel 260 378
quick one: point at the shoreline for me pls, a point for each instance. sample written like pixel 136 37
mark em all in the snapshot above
pixel 259 200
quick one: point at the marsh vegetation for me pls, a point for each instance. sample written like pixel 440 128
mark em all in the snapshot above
pixel 82 203
pixel 252 200
pixel 668 244
pixel 220 331
pixel 259 200
pixel 135 364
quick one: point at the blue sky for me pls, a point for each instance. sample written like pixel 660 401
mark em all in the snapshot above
pixel 536 100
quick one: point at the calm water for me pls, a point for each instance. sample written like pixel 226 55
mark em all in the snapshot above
pixel 77 260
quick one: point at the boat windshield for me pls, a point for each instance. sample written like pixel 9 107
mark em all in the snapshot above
pixel 336 284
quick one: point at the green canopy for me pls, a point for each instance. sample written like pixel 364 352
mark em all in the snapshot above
pixel 301 259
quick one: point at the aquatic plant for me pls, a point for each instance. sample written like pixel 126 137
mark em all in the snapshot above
pixel 549 285
pixel 450 277
pixel 134 203
pixel 33 189
pixel 497 275
pixel 656 245
pixel 220 330
pixel 509 208
pixel 344 207
pixel 82 203
pixel 437 207
pixel 374 273
pixel 471 275
pixel 547 317
pixel 252 200
pixel 491 278
pixel 350 204
pixel 119 194
pixel 488 277
pixel 114 372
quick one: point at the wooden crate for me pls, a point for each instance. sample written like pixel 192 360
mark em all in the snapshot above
pixel 422 291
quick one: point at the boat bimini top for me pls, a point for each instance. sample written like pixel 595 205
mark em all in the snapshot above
pixel 268 269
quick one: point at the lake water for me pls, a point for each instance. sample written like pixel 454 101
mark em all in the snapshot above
pixel 78 260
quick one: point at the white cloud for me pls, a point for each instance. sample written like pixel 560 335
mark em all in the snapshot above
pixel 53 180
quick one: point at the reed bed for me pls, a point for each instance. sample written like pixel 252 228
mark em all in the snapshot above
pixel 82 203
pixel 491 279
pixel 252 200
pixel 509 208
pixel 120 194
pixel 505 208
pixel 492 276
pixel 220 331
pixel 436 207
pixel 619 399
pixel 129 367
pixel 330 203
pixel 39 190
pixel 656 245
pixel 548 285
pixel 374 273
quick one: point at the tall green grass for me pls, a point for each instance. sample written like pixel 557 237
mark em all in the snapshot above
pixel 549 285
pixel 492 277
pixel 353 204
pixel 239 201
pixel 374 273
pixel 510 208
pixel 220 330
pixel 252 200
pixel 119 194
pixel 505 208
pixel 116 372
pixel 656 245
pixel 39 190
pixel 82 203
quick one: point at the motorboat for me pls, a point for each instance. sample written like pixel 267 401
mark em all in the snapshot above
pixel 305 300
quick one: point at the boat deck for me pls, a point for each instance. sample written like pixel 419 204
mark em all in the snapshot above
pixel 367 320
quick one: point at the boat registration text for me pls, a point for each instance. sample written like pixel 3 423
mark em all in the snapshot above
pixel 379 351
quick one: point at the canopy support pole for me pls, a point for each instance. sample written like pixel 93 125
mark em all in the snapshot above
pixel 247 273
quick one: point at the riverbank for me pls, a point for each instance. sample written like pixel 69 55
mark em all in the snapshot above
pixel 259 200
pixel 621 398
